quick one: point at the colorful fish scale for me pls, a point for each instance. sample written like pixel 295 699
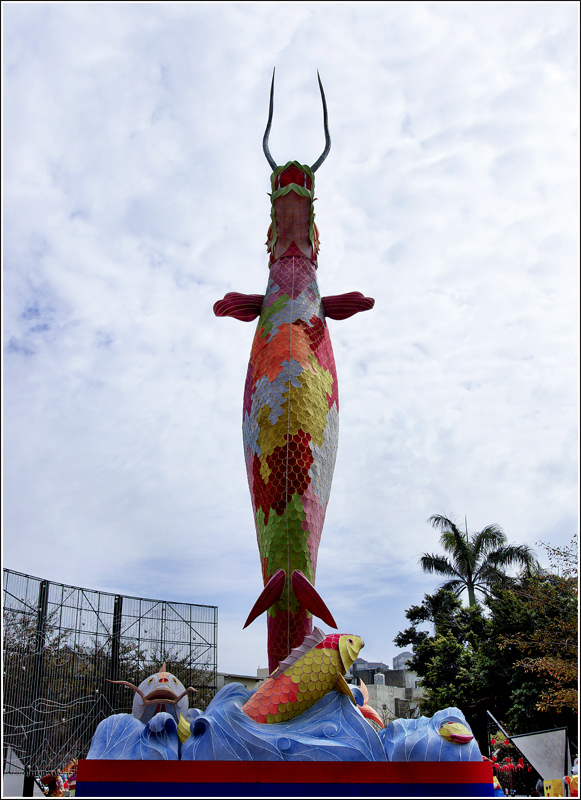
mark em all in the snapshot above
pixel 331 642
pixel 290 433
pixel 298 688
pixel 290 411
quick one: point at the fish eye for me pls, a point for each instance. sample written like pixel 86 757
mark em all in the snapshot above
pixel 350 641
pixel 174 680
pixel 150 680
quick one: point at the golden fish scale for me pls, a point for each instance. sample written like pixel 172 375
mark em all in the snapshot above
pixel 313 675
pixel 307 409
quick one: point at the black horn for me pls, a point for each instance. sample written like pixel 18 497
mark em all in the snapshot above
pixel 325 152
pixel 269 158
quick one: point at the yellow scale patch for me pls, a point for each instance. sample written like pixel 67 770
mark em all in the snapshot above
pixel 315 673
pixel 308 412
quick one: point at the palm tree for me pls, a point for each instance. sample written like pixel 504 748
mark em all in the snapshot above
pixel 477 561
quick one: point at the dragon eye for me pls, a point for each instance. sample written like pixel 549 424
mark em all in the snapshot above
pixel 174 680
pixel 150 680
pixel 350 641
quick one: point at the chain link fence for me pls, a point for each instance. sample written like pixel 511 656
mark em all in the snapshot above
pixel 61 644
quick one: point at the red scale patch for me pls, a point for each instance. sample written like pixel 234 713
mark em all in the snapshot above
pixel 274 494
pixel 293 693
pixel 331 642
pixel 286 631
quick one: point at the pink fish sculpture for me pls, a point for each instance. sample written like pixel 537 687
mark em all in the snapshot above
pixel 291 406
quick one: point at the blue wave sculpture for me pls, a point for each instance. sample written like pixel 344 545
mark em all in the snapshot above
pixel 443 737
pixel 332 730
pixel 123 737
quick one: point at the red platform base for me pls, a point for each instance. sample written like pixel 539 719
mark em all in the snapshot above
pixel 283 779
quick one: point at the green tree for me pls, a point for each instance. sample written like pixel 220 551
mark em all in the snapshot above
pixel 475 562
pixel 550 649
pixel 448 661
pixel 515 655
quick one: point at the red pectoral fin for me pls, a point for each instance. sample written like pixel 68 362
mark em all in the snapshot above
pixel 268 596
pixel 309 597
pixel 341 306
pixel 245 307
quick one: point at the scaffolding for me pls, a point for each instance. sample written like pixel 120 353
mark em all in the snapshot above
pixel 61 645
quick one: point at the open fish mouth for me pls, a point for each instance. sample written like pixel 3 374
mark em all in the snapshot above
pixel 456 732
pixel 166 695
pixel 161 694
pixel 460 738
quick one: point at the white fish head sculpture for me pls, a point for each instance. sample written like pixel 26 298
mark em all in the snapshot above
pixel 162 691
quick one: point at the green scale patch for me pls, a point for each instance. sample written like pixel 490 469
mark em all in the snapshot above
pixel 265 320
pixel 273 539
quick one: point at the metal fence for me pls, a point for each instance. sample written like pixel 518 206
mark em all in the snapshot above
pixel 61 644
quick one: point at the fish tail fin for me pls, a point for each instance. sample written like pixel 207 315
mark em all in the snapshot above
pixel 268 596
pixel 367 711
pixel 370 713
pixel 184 729
pixel 308 596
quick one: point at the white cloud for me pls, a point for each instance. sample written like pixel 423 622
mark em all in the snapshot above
pixel 135 195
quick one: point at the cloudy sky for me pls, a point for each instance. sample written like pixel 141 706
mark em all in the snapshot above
pixel 135 195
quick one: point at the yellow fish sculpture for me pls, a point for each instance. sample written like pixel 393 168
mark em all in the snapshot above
pixel 308 674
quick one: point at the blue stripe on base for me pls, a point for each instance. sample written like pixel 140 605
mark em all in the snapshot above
pixel 151 789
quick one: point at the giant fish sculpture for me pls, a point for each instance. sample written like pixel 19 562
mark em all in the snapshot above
pixel 291 405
